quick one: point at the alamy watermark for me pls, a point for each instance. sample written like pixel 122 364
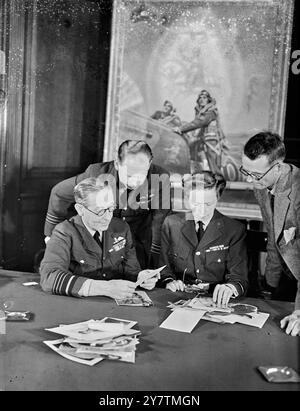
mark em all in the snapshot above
pixel 156 194
pixel 295 67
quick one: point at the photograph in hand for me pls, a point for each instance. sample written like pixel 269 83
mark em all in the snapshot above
pixel 138 299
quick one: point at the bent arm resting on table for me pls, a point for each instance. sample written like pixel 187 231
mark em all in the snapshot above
pixel 237 262
pixel 54 270
pixel 56 277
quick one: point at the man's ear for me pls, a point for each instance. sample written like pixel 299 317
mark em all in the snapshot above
pixel 116 164
pixel 78 208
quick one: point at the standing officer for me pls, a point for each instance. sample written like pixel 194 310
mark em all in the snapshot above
pixel 142 192
pixel 277 189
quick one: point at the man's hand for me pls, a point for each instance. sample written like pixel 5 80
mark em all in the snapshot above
pixel 118 289
pixel 222 295
pixel 148 284
pixel 292 323
pixel 46 239
pixel 176 285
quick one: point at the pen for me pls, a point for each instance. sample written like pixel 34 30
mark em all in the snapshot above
pixel 183 276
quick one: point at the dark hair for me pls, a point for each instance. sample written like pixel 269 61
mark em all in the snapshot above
pixel 207 180
pixel 134 147
pixel 265 144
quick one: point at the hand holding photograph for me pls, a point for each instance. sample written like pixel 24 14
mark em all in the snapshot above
pixel 139 299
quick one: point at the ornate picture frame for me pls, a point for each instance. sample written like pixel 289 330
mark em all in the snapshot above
pixel 166 55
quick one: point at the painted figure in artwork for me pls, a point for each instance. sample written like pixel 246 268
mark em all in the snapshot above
pixel 168 115
pixel 207 142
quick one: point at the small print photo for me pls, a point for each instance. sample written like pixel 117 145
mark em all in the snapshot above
pixel 207 304
pixel 70 353
pixel 138 299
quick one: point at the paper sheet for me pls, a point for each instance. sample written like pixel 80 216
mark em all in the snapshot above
pixel 257 320
pixel 182 320
pixel 152 273
pixel 82 331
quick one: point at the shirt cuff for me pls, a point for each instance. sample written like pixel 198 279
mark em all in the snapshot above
pixel 234 289
pixel 85 288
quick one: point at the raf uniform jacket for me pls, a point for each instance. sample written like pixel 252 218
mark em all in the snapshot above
pixel 219 257
pixel 144 218
pixel 73 255
pixel 283 226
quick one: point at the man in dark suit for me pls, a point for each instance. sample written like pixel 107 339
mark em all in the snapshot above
pixel 139 197
pixel 277 189
pixel 92 253
pixel 204 245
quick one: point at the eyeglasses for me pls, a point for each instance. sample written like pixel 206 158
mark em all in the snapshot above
pixel 101 212
pixel 256 176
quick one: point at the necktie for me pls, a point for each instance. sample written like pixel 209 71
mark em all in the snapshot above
pixel 97 239
pixel 200 231
pixel 272 202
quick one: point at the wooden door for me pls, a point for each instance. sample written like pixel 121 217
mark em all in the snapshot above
pixel 56 82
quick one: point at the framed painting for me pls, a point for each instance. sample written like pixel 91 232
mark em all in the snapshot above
pixel 196 79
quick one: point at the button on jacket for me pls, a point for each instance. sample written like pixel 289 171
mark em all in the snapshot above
pixel 145 220
pixel 72 256
pixel 219 257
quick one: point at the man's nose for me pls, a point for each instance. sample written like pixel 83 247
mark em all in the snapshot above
pixel 200 208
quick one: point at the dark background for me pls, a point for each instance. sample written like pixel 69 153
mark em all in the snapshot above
pixel 292 124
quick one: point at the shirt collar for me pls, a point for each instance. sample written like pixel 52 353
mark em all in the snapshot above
pixel 205 222
pixel 91 231
pixel 273 189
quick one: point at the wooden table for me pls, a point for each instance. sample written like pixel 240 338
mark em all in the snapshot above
pixel 212 357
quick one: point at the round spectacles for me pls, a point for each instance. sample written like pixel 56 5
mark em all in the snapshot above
pixel 101 212
pixel 255 176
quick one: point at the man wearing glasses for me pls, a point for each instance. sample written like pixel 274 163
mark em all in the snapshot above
pixel 277 189
pixel 92 253
pixel 134 176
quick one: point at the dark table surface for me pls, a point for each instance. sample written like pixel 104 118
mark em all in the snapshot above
pixel 212 357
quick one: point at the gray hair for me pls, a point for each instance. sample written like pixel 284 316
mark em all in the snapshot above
pixel 90 185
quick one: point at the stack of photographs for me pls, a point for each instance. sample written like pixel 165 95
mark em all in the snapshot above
pixel 92 341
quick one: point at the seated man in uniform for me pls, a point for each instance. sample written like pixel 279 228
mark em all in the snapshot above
pixel 139 198
pixel 204 245
pixel 92 253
